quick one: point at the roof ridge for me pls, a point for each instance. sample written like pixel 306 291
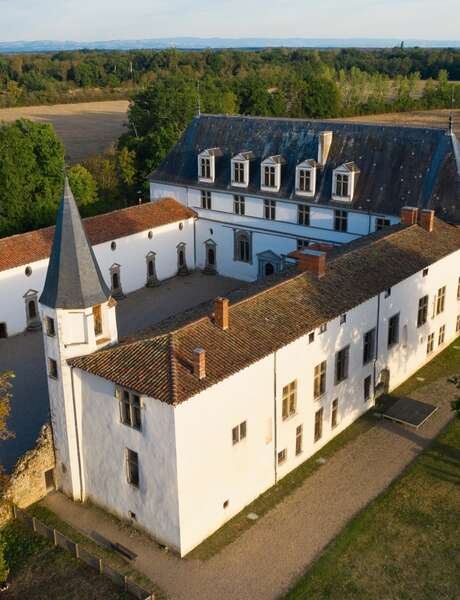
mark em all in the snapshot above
pixel 172 369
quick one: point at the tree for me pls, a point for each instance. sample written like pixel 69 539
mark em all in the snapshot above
pixel 456 403
pixel 31 176
pixel 83 185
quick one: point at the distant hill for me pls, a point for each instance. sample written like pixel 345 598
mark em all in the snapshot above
pixel 188 43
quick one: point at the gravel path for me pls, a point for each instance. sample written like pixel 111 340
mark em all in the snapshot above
pixel 268 558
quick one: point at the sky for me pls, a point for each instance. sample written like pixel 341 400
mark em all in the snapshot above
pixel 91 20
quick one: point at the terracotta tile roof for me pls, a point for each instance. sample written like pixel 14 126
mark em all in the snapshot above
pixel 25 248
pixel 158 363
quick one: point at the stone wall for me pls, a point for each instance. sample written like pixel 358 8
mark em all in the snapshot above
pixel 26 484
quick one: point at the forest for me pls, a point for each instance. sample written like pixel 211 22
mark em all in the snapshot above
pixel 167 87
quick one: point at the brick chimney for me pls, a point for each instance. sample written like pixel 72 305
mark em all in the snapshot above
pixel 426 220
pixel 221 313
pixel 324 146
pixel 409 215
pixel 312 261
pixel 199 363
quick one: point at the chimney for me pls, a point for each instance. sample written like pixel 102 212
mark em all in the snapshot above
pixel 199 363
pixel 426 220
pixel 312 261
pixel 324 146
pixel 221 316
pixel 409 215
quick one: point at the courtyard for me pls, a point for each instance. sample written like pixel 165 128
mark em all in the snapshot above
pixel 23 353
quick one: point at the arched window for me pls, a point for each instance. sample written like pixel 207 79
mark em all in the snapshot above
pixel 243 246
pixel 151 268
pixel 31 306
pixel 32 309
pixel 211 256
pixel 181 259
pixel 115 281
pixel 152 279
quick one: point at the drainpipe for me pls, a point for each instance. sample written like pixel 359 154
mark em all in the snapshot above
pixel 77 437
pixel 194 243
pixel 275 426
pixel 376 353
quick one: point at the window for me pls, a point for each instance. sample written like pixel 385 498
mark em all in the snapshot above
pixel 301 244
pixel 311 337
pixel 323 328
pixel 303 214
pixel 318 424
pixel 97 317
pixel 238 172
pixel 457 325
pixel 381 223
pixel 289 399
pixel 334 413
pixel 270 176
pixel 282 456
pixel 341 364
pixel 342 182
pixel 430 344
pixel 206 199
pixel 132 467
pixel 367 387
pixel 52 368
pixel 239 433
pixel 205 168
pixel 440 300
pixel 425 272
pixel 393 330
pixel 50 327
pixel 319 380
pixel 130 409
pixel 458 289
pixel 270 209
pixel 387 293
pixel 242 247
pixel 238 205
pixel 369 346
pixel 304 181
pixel 115 279
pixel 422 314
pixel 298 439
pixel 340 220
pixel 442 335
pixel 343 319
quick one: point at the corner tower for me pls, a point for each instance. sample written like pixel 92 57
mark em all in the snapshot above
pixel 78 318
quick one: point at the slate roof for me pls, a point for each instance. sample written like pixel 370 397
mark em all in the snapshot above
pixel 73 278
pixel 263 319
pixel 26 248
pixel 398 165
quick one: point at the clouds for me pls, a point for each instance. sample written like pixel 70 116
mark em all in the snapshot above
pixel 109 19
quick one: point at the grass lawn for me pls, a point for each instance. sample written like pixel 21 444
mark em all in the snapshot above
pixel 406 544
pixel 41 572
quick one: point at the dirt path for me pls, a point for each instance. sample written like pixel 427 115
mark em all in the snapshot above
pixel 270 556
pixel 87 128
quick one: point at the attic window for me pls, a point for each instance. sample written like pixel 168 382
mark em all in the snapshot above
pixel 205 168
pixel 342 183
pixel 306 178
pixel 271 173
pixel 238 172
pixel 270 176
pixel 207 164
pixel 344 180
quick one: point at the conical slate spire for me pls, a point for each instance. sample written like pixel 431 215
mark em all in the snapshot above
pixel 73 279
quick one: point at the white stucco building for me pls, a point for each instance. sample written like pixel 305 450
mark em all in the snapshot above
pixel 180 428
pixel 264 187
pixel 137 246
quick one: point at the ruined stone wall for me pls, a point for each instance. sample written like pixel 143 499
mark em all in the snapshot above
pixel 26 484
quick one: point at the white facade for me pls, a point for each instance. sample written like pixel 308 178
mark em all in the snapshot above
pixel 129 253
pixel 193 478
pixel 280 235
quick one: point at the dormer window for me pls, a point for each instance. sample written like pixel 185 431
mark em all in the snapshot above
pixel 240 169
pixel 344 182
pixel 207 164
pixel 271 173
pixel 305 184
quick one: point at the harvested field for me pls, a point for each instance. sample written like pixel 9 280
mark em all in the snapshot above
pixel 423 118
pixel 85 129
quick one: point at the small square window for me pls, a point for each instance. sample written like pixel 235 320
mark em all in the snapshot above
pixel 323 328
pixel 298 439
pixel 235 435
pixel 52 368
pixel 367 388
pixel 225 504
pixel 387 292
pixel 242 430
pixel 282 456
pixel 311 337
pixel 132 467
pixel 425 272
pixel 343 319
pixel 334 413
